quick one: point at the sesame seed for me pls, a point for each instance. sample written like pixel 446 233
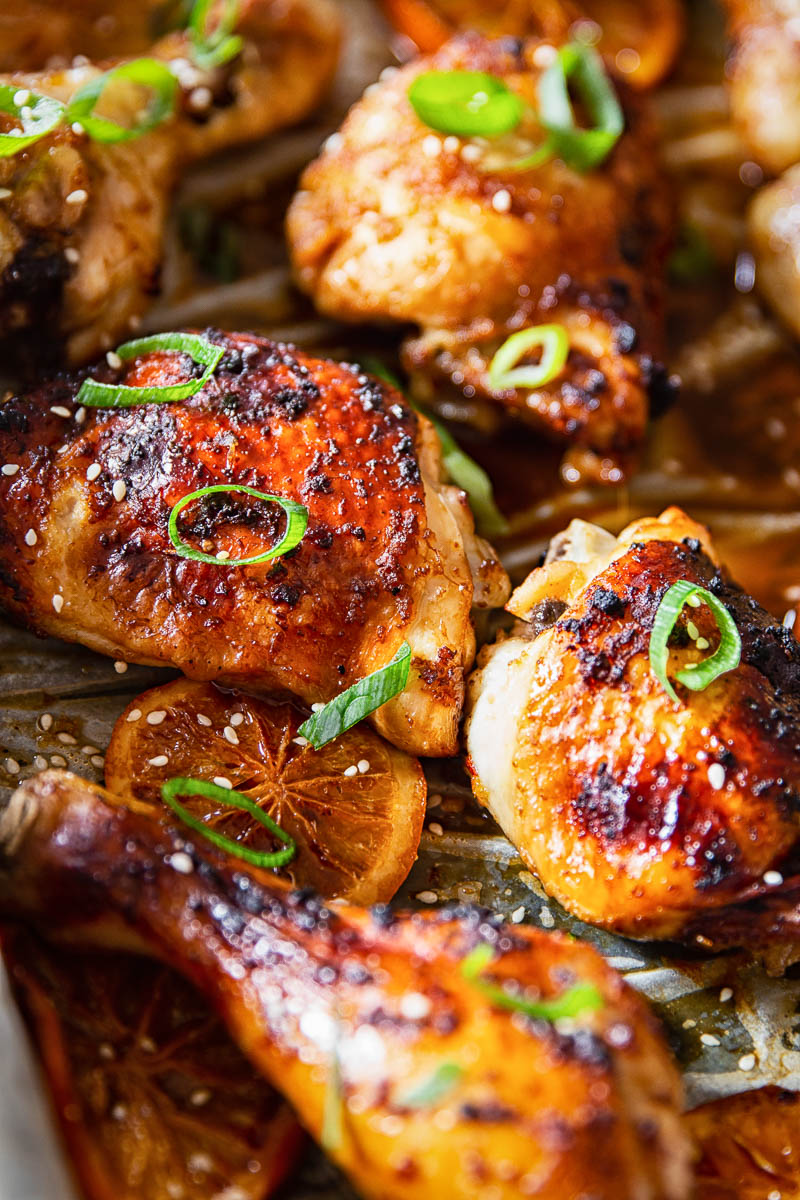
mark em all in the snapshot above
pixel 160 760
pixel 31 538
pixel 702 643
pixel 350 771
pixel 452 144
pixel 120 667
pixel 80 415
pixel 230 735
pixel 221 781
pixel 725 995
pixel 547 919
pixel 236 719
pixel 59 410
pixel 58 602
pixel 12 766
pixel 772 878
pixel 119 489
pixel 200 1162
pixel 87 750
pixel 67 739
pixel 747 1062
pixel 113 360
pixel 692 630
pixel 119 1112
pixel 46 720
pixel 318 707
pixel 434 800
pixel 222 555
pixel 716 776
pixel 22 97
pixel 77 128
pixel 436 829
pixel 518 914
pixel 470 153
pixel 156 717
pixel 431 146
pixel 708 1039
pixel 300 740
pixel 40 762
pixel 427 897
pixel 199 1096
pixel 79 196
pixel 106 1051
pixel 363 765
pixel 501 201
pixel 135 713
pixel 202 719
pixel 200 98
pixel 693 601
pixel 147 1044
pixel 56 760
pixel 5 193
pixel 689 1023
pixel 93 471
pixel 10 468
pixel 97 760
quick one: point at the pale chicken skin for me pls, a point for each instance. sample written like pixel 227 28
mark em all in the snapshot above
pixel 389 555
pixel 81 233
pixel 394 222
pixel 653 817
pixel 355 1012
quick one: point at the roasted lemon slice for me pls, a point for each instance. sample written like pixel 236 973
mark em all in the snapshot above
pixel 749 1146
pixel 154 1100
pixel 354 808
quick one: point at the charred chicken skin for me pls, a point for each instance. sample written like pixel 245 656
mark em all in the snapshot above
pixel 652 817
pixel 419 1083
pixel 396 223
pixel 81 231
pixel 389 555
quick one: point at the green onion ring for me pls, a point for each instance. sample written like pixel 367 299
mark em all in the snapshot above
pixel 296 525
pixel 369 693
pixel 466 103
pixel 112 395
pixel 178 786
pixel 503 372
pixel 582 149
pixel 725 658
pixel 146 72
pixel 38 115
pixel 581 998
pixel 214 47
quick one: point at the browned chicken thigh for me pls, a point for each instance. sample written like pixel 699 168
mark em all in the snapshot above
pixel 431 1054
pixel 654 817
pixel 81 221
pixel 389 555
pixel 395 222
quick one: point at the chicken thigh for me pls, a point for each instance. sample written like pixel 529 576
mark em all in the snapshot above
pixel 651 816
pixel 81 222
pixel 396 223
pixel 389 555
pixel 422 1073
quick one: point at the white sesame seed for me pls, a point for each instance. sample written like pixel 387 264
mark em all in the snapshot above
pixel 113 359
pixel 72 255
pixel 236 719
pixel 31 538
pixel 427 897
pixel 156 716
pixel 547 919
pixel 200 98
pixel 689 1023
pixel 119 489
pixel 772 878
pixel 693 601
pixel 518 914
pixel 46 720
pixel 725 995
pixel 93 471
pixel 106 1051
pixel 202 719
pixel 21 97
pixel 702 643
pixel 80 415
pixel 716 776
pixel 56 760
pixel 436 829
pixel 160 760
pixel 200 1162
pixel 452 144
pixel 10 468
pixel 318 707
pixel 747 1062
pixel 431 146
pixel 39 761
pixel 87 750
pixel 147 1044
pixel 501 201
pixel 5 193
pixel 59 410
pixel 230 735
pixel 434 800
pixel 58 602
pixel 119 1112
pixel 692 630
pixel 199 1096
pixel 363 765
pixel 470 153
pixel 222 555
pixel 77 128
pixel 12 766
pixel 135 714
pixel 67 739
pixel 350 771
pixel 97 760
pixel 300 740
pixel 221 781
pixel 120 667
pixel 708 1039
pixel 79 196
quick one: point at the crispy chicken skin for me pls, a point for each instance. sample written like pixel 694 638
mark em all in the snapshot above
pixel 654 818
pixel 370 1006
pixel 392 224
pixel 390 553
pixel 764 78
pixel 81 232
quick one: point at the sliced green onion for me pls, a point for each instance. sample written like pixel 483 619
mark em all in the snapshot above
pixel 178 786
pixel 698 676
pixel 466 103
pixel 296 524
pixel 580 148
pixel 212 47
pixel 112 395
pixel 442 1081
pixel 583 997
pixel 462 470
pixel 554 342
pixel 146 73
pixel 37 116
pixel 369 693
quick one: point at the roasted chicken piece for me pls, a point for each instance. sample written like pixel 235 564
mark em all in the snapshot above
pixel 764 78
pixel 394 1052
pixel 653 817
pixel 639 41
pixel 390 554
pixel 396 223
pixel 81 221
pixel 749 1146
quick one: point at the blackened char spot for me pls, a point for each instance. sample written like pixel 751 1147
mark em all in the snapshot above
pixel 601 805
